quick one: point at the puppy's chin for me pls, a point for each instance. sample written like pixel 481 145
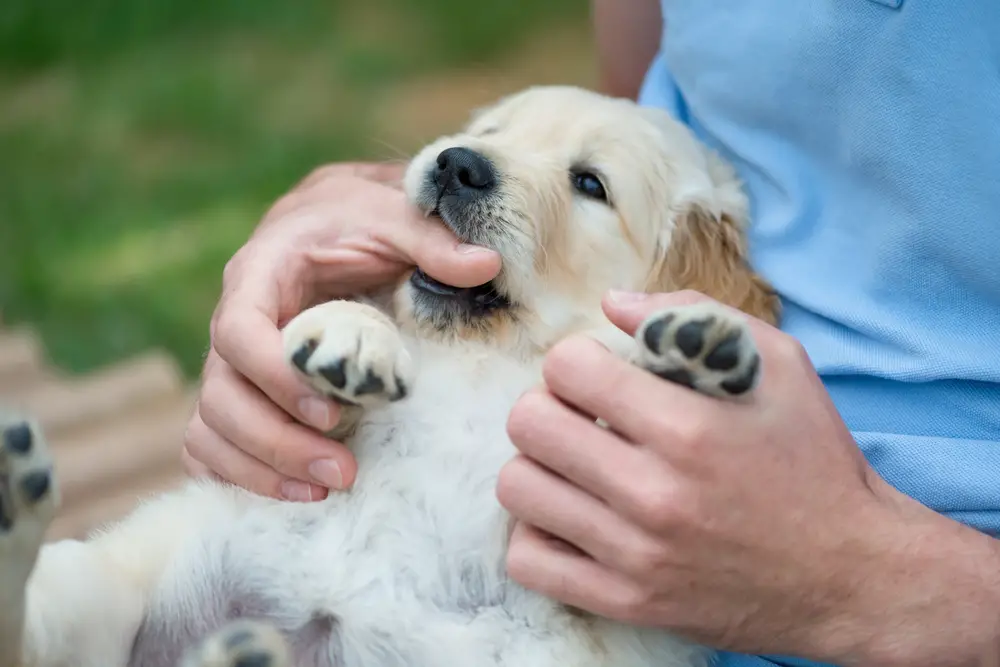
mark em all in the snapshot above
pixel 466 312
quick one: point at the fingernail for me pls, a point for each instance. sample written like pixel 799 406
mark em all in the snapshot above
pixel 469 249
pixel 327 473
pixel 623 297
pixel 316 412
pixel 296 491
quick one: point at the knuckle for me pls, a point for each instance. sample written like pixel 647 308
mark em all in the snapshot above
pixel 225 331
pixel 232 268
pixel 789 351
pixel 642 557
pixel 279 459
pixel 688 436
pixel 524 417
pixel 520 562
pixel 656 504
pixel 508 483
pixel 567 355
pixel 630 602
pixel 194 435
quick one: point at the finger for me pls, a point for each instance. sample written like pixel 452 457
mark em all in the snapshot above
pixel 548 431
pixel 392 230
pixel 248 340
pixel 192 466
pixel 241 414
pixel 427 243
pixel 636 404
pixel 541 564
pixel 542 499
pixel 225 460
pixel 378 172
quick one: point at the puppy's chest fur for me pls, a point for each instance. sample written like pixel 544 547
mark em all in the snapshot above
pixel 408 562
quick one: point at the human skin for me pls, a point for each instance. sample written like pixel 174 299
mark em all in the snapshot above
pixel 754 526
pixel 756 544
pixel 344 228
pixel 255 424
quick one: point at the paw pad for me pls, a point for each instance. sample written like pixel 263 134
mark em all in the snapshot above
pixel 349 352
pixel 18 439
pixel 704 347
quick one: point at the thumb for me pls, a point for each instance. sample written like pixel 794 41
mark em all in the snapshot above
pixel 435 249
pixel 627 310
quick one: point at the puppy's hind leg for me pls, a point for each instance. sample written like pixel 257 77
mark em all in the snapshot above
pixel 241 644
pixel 352 353
pixel 28 500
pixel 705 347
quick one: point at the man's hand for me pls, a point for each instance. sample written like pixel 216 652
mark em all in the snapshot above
pixel 342 230
pixel 756 525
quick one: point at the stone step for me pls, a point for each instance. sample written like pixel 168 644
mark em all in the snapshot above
pixel 97 461
pixel 64 404
pixel 78 521
pixel 21 359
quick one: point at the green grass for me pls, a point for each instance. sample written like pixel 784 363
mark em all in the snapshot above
pixel 140 141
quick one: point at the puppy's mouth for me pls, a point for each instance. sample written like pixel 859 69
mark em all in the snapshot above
pixel 478 300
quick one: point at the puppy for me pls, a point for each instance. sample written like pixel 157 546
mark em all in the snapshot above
pixel 579 193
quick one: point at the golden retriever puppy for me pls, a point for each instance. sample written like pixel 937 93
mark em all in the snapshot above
pixel 579 193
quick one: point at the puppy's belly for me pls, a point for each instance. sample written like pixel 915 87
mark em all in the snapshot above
pixel 423 615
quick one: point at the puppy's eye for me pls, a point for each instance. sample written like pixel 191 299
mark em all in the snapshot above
pixel 586 183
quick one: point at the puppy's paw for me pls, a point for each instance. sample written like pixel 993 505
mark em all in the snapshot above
pixel 241 644
pixel 28 500
pixel 350 352
pixel 702 346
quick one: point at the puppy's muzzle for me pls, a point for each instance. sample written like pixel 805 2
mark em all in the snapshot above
pixel 464 174
pixel 464 184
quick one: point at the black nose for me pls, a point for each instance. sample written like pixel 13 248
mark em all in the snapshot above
pixel 462 171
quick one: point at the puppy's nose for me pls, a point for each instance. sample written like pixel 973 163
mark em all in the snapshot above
pixel 464 171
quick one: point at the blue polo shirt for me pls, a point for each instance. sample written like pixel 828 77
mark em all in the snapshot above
pixel 868 135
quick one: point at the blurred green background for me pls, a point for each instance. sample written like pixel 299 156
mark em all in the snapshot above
pixel 141 141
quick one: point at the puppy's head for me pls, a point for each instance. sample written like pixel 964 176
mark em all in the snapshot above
pixel 579 193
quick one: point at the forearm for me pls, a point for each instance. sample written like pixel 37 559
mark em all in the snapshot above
pixel 931 597
pixel 627 33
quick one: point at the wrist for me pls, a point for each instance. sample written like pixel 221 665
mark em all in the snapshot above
pixel 925 591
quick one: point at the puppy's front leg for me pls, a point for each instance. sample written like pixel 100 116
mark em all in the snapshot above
pixel 27 504
pixel 350 352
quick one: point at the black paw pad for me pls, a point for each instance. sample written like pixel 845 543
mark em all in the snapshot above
pixel 690 337
pixel 678 376
pixel 740 385
pixel 256 659
pixel 35 485
pixel 335 374
pixel 653 335
pixel 302 355
pixel 372 384
pixel 726 354
pixel 6 519
pixel 18 439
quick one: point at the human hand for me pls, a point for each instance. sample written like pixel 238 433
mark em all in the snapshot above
pixel 342 230
pixel 754 525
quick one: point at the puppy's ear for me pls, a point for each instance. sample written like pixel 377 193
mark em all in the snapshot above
pixel 706 253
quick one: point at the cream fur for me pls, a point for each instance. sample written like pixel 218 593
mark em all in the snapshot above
pixel 407 569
